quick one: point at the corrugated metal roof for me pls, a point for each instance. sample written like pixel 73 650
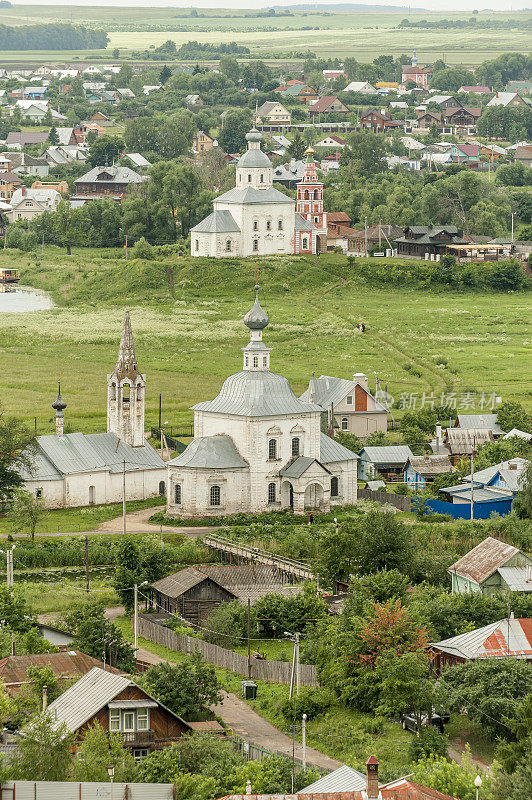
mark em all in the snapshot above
pixel 518 434
pixel 481 494
pixel 343 779
pixel 218 222
pixel 211 452
pixel 250 196
pixel 116 175
pixel 507 637
pixel 431 465
pixel 254 159
pixel 299 466
pixel 13 669
pixel 463 442
pixel 516 578
pixel 251 581
pixel 75 453
pixel 484 559
pixel 256 394
pixel 387 454
pixel 375 485
pixel 479 421
pixel 86 697
pixel 327 389
pixel 302 224
pixel 145 703
pixel 332 451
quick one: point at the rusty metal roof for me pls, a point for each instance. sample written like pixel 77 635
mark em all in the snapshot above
pixel 67 664
pixel 484 559
pixel 507 637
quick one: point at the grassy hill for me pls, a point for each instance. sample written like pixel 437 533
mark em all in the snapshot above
pixel 187 319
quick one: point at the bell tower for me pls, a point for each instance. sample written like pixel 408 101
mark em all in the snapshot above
pixel 126 393
pixel 310 200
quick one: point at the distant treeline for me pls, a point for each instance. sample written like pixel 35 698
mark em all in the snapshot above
pixel 466 23
pixel 51 37
pixel 197 49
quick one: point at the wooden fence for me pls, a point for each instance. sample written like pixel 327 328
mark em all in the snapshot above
pixel 274 671
pixel 400 501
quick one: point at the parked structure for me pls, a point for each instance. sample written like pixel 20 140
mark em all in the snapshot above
pixel 492 566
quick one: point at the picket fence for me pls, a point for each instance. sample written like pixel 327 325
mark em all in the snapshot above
pixel 274 671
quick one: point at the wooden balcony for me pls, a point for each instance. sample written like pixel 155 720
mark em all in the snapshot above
pixel 138 738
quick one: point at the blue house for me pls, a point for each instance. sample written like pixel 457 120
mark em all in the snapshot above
pixel 387 462
pixel 421 470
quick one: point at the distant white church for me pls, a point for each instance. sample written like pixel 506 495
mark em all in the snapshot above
pixel 81 469
pixel 258 447
pixel 256 219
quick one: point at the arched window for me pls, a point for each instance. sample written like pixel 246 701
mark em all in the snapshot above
pixel 249 177
pixel 162 488
pixel 228 246
pixel 125 393
pixel 255 244
pixel 255 226
pixel 305 243
pixel 255 361
pixel 306 195
pixel 272 493
pixel 196 244
pixel 262 178
pixel 295 446
pixel 139 392
pixel 345 424
pixel 334 487
pixel 316 194
pixel 280 225
pixel 113 391
pixel 215 495
pixel 268 225
pixel 272 449
pixel 177 494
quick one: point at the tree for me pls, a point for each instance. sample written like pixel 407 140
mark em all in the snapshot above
pixel 365 153
pixel 105 150
pixel 451 778
pixel 97 636
pixel 135 565
pixel 28 701
pixel 164 74
pixel 381 541
pixel 296 148
pixel 236 125
pixel 53 137
pixel 405 685
pixel 43 753
pixel 17 448
pixel 518 784
pixel 230 68
pixel 26 512
pixel 98 749
pixel 513 415
pixel 515 174
pixel 142 249
pixel 68 226
pixel 188 689
pixel 48 119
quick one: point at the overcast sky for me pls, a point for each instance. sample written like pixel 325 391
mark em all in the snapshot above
pixel 434 5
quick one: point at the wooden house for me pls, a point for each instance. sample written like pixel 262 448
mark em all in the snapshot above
pixel 376 121
pixel 422 470
pixel 194 592
pixel 65 665
pixel 492 566
pixel 328 104
pixel 118 705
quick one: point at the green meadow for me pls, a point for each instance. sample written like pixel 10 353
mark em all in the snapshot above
pixel 188 341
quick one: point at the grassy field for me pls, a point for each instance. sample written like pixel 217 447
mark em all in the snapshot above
pixel 363 35
pixel 418 341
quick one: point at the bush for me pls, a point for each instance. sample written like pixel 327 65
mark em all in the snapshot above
pixel 310 702
pixel 430 742
pixel 143 249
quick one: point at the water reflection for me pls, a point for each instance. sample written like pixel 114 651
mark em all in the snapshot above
pixel 24 298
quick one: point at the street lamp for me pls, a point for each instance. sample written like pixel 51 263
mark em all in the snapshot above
pixel 111 772
pixel 478 783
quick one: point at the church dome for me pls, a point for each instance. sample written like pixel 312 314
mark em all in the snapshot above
pixel 256 319
pixel 254 136
pixel 254 158
pixel 256 394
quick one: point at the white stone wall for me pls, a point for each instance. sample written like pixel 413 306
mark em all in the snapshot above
pixel 346 472
pixel 126 419
pixel 196 491
pixel 363 424
pixel 74 490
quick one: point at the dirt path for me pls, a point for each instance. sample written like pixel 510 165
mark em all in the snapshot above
pixel 456 751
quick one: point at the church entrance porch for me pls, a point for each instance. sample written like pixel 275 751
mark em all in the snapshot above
pixel 287 495
pixel 314 496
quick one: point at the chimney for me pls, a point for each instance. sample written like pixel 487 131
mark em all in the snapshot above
pixel 438 433
pixel 372 778
pixel 361 379
pixel 22 190
pixel 529 573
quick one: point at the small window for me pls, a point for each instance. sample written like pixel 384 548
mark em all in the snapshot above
pixel 228 246
pixel 262 178
pixel 334 487
pixel 306 195
pixel 264 361
pixel 280 225
pixel 38 492
pixel 255 226
pixel 305 243
pixel 316 194
pixel 143 717
pixel 295 446
pixel 247 361
pixel 349 400
pixel 139 753
pixel 255 361
pixel 345 424
pixel 177 494
pixel 255 244
pixel 272 493
pixel 215 495
pixel 268 225
pixel 114 719
pixel 272 449
pixel 196 244
pixel 162 488
pixel 128 721
pixel 249 177
pixel 139 388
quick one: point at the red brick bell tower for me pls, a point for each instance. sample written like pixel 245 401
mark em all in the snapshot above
pixel 310 203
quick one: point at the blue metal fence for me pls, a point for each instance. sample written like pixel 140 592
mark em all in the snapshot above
pixel 463 510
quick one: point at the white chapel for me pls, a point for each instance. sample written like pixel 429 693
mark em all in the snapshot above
pixel 258 447
pixel 254 218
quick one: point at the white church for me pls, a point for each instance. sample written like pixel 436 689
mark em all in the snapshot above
pixel 256 219
pixel 80 469
pixel 258 447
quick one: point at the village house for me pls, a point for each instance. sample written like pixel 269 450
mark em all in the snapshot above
pixel 30 203
pixel 258 447
pixel 16 140
pixel 193 593
pixel 463 120
pixel 506 638
pixel 492 566
pixel 444 101
pixel 508 475
pixel 354 409
pixel 65 154
pixel 489 422
pixel 331 141
pixel 117 704
pixel 9 184
pixel 107 181
pixel 422 240
pixel 66 666
pixel 305 94
pixel 290 174
pixel 136 161
pixel 385 461
pixel 460 442
pixel 80 469
pixel 523 155
pixel 194 101
pixel 23 164
pixel 362 87
pixel 475 89
pixel 202 143
pixel 328 104
pixel 422 470
pixel 508 100
pixel 254 218
pixel 362 242
pixel 377 121
pixel 272 113
pixel 36 111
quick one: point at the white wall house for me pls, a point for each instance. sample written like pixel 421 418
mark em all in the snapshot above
pixel 258 447
pixel 29 203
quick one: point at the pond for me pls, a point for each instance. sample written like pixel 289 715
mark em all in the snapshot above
pixel 24 298
pixel 58 574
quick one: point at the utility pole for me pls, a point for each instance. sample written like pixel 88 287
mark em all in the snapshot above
pixel 124 497
pixel 126 248
pixel 380 222
pixel 42 245
pixel 512 227
pixel 298 670
pixel 87 563
pixel 135 619
pixel 160 413
pixel 472 471
pixel 249 638
pixel 304 738
pixel 366 236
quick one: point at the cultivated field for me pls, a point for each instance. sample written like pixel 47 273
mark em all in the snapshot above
pixel 361 35
pixel 417 341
